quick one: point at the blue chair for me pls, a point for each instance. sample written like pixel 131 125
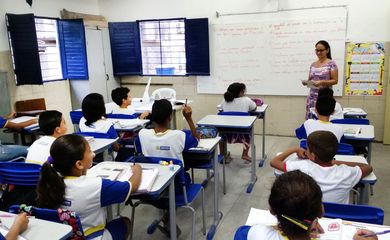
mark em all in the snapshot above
pixel 19 173
pixel 75 117
pixel 300 132
pixel 360 121
pixel 183 199
pixel 122 116
pixel 343 149
pixel 357 213
pixel 242 233
pixel 51 215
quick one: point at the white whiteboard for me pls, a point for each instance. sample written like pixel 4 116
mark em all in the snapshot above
pixel 272 53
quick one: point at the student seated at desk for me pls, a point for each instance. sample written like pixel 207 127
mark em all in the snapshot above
pixel 336 178
pixel 236 101
pixel 324 108
pixel 18 227
pixel 94 121
pixel 121 96
pixel 338 110
pixel 9 152
pixel 296 202
pixel 63 183
pixel 53 125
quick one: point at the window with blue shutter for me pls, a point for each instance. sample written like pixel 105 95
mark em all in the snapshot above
pixel 125 48
pixel 197 46
pixel 73 49
pixel 24 48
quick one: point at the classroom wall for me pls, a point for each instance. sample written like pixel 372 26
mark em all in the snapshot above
pixel 366 22
pixel 56 94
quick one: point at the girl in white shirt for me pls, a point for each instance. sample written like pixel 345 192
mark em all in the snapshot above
pixel 63 183
pixel 236 101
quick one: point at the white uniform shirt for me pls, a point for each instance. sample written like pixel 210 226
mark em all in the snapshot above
pixel 338 112
pixel 39 151
pixel 130 110
pixel 100 126
pixel 169 144
pixel 261 231
pixel 241 104
pixel 335 181
pixel 312 125
pixel 88 197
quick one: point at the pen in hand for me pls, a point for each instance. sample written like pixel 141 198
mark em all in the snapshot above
pixel 375 234
pixel 186 102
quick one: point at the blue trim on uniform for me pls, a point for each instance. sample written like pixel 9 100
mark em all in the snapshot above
pixel 190 140
pixel 113 192
pixel 2 237
pixel 112 133
pixel 2 122
pixel 117 229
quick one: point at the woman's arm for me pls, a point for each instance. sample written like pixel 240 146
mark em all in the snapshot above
pixel 328 83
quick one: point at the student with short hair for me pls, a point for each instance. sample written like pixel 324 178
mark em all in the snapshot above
pixel 53 125
pixel 338 110
pixel 63 183
pixel 324 108
pixel 236 101
pixel 336 178
pixel 121 96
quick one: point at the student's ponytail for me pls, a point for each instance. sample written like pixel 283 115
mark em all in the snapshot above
pixel 64 153
pixel 51 188
pixel 228 96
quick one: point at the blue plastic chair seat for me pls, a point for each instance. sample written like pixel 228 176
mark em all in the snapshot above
pixel 358 213
pixel 242 233
pixel 192 191
pixel 75 116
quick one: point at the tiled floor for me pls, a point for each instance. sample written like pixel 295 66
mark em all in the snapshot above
pixel 235 205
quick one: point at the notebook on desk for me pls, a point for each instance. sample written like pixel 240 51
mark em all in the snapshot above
pixel 352 131
pixel 123 173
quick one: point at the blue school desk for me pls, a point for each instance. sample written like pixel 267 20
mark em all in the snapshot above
pixel 207 146
pixel 235 124
pixel 366 135
pixel 165 178
pixel 38 229
pixel 368 181
pixel 31 130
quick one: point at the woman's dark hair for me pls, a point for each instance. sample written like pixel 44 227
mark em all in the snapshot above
pixel 162 110
pixel 49 120
pixel 118 94
pixel 65 152
pixel 93 108
pixel 234 91
pixel 296 195
pixel 327 47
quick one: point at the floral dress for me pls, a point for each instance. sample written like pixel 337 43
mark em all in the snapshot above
pixel 318 74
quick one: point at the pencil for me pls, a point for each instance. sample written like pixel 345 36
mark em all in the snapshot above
pixel 186 102
pixel 378 233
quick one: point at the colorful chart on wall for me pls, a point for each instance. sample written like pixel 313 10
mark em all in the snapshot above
pixel 364 69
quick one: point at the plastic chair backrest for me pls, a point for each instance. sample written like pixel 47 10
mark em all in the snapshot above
pixel 361 121
pixel 357 213
pixel 19 173
pixel 234 113
pixel 51 215
pixel 75 116
pixel 122 116
pixel 93 134
pixel 300 132
pixel 343 148
pixel 242 233
pixel 164 93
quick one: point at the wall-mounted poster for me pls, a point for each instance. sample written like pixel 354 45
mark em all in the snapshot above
pixel 365 68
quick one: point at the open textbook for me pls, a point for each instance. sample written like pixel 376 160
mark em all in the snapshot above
pixel 352 131
pixel 334 229
pixel 122 172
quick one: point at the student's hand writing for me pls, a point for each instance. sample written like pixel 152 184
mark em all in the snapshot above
pixel 316 229
pixel 144 115
pixel 301 153
pixel 359 235
pixel 20 223
pixel 187 111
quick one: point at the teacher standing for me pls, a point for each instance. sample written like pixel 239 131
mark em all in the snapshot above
pixel 323 73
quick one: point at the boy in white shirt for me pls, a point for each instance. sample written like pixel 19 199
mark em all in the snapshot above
pixel 53 125
pixel 121 96
pixel 324 108
pixel 336 178
pixel 338 110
